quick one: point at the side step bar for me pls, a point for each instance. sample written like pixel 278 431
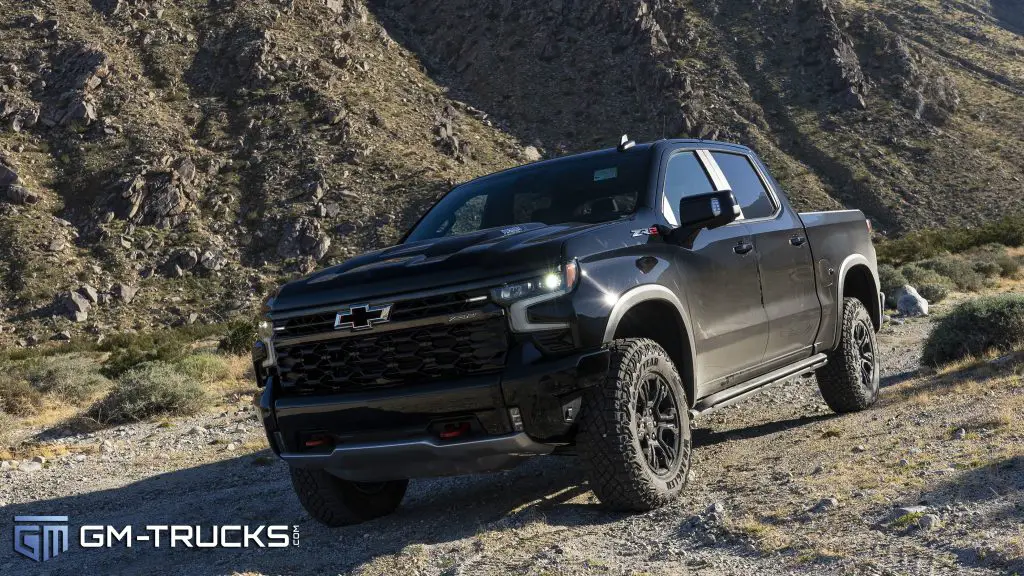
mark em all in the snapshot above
pixel 741 392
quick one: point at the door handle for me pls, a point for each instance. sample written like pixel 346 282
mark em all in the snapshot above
pixel 798 240
pixel 742 248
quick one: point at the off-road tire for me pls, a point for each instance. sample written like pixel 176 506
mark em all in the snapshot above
pixel 610 431
pixel 336 502
pixel 842 381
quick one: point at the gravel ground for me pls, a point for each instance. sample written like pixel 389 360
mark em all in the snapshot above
pixel 779 486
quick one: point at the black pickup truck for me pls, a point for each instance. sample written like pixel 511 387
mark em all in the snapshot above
pixel 591 305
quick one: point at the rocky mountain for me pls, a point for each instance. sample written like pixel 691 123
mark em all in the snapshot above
pixel 166 163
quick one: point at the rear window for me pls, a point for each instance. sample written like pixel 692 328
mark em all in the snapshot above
pixel 746 185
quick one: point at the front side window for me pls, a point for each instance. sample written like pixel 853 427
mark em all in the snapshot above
pixel 746 185
pixel 597 187
pixel 684 176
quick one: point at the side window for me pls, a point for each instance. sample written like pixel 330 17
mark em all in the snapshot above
pixel 685 176
pixel 746 185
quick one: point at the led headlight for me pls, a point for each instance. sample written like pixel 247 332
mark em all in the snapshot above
pixel 554 283
pixel 520 296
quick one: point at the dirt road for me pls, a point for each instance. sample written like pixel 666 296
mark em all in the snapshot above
pixel 780 486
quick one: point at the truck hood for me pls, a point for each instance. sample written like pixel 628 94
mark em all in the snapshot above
pixel 494 253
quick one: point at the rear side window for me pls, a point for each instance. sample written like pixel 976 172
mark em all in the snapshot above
pixel 685 176
pixel 746 185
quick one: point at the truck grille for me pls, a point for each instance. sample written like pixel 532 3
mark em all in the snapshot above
pixel 401 311
pixel 393 358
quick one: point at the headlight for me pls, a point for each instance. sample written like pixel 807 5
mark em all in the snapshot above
pixel 559 281
pixel 265 329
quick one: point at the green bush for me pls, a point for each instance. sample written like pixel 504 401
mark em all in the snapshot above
pixel 1008 265
pixel 976 326
pixel 1008 231
pixel 17 395
pixel 240 337
pixel 7 424
pixel 958 270
pixel 73 379
pixel 129 350
pixel 917 276
pixel 933 293
pixel 891 281
pixel 149 390
pixel 205 367
pixel 987 268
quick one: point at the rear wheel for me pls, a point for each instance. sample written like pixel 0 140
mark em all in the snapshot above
pixel 337 502
pixel 634 437
pixel 849 382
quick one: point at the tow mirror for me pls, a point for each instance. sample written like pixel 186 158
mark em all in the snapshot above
pixel 710 210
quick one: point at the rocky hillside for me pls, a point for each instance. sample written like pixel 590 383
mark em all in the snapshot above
pixel 169 162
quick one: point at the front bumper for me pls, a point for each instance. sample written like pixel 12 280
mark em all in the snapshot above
pixel 426 456
pixel 396 433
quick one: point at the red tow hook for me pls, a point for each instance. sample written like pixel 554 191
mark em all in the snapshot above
pixel 454 430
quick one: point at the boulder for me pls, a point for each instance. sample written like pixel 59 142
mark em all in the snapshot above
pixel 90 293
pixel 20 195
pixel 124 292
pixel 8 177
pixel 531 154
pixel 77 306
pixel 910 303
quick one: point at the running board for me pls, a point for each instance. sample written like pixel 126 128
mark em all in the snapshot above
pixel 741 392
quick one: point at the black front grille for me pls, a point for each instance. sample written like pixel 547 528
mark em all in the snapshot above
pixel 393 358
pixel 401 311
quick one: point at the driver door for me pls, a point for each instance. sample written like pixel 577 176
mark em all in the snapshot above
pixel 719 276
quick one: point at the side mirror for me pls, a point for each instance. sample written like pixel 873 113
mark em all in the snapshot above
pixel 710 210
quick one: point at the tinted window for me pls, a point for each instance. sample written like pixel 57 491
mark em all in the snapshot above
pixel 595 187
pixel 746 185
pixel 685 176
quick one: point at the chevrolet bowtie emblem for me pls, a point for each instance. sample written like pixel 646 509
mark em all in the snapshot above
pixel 362 317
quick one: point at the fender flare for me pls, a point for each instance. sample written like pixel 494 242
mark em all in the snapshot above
pixel 848 264
pixel 644 293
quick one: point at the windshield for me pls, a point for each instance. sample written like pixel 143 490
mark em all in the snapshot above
pixel 594 187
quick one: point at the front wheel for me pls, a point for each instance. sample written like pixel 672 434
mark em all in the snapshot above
pixel 337 502
pixel 849 382
pixel 634 438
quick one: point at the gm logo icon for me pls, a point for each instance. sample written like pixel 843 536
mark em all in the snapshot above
pixel 40 537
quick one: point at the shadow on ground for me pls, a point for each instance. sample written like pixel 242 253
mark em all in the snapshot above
pixel 237 491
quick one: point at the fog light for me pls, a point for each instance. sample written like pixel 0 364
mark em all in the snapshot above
pixel 517 419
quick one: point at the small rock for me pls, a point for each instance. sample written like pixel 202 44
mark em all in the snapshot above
pixel 960 434
pixel 77 306
pixel 125 293
pixel 39 459
pixel 8 177
pixel 531 154
pixel 107 447
pixel 910 303
pixel 80 457
pixel 716 508
pixel 21 195
pixel 90 293
pixel 825 504
pixel 860 448
pixel 929 522
pixel 30 466
pixel 64 336
pixel 231 447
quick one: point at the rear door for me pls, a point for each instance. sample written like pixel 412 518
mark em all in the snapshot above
pixel 783 258
pixel 719 277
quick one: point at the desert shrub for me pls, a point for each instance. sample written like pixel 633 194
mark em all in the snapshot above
pixel 205 367
pixel 958 270
pixel 239 338
pixel 987 268
pixel 891 281
pixel 1008 265
pixel 17 395
pixel 73 379
pixel 976 326
pixel 7 424
pixel 128 350
pixel 933 293
pixel 149 390
pixel 917 276
pixel 1008 231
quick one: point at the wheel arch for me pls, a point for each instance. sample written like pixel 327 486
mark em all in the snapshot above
pixel 653 311
pixel 857 279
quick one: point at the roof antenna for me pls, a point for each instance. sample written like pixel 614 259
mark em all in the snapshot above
pixel 625 143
